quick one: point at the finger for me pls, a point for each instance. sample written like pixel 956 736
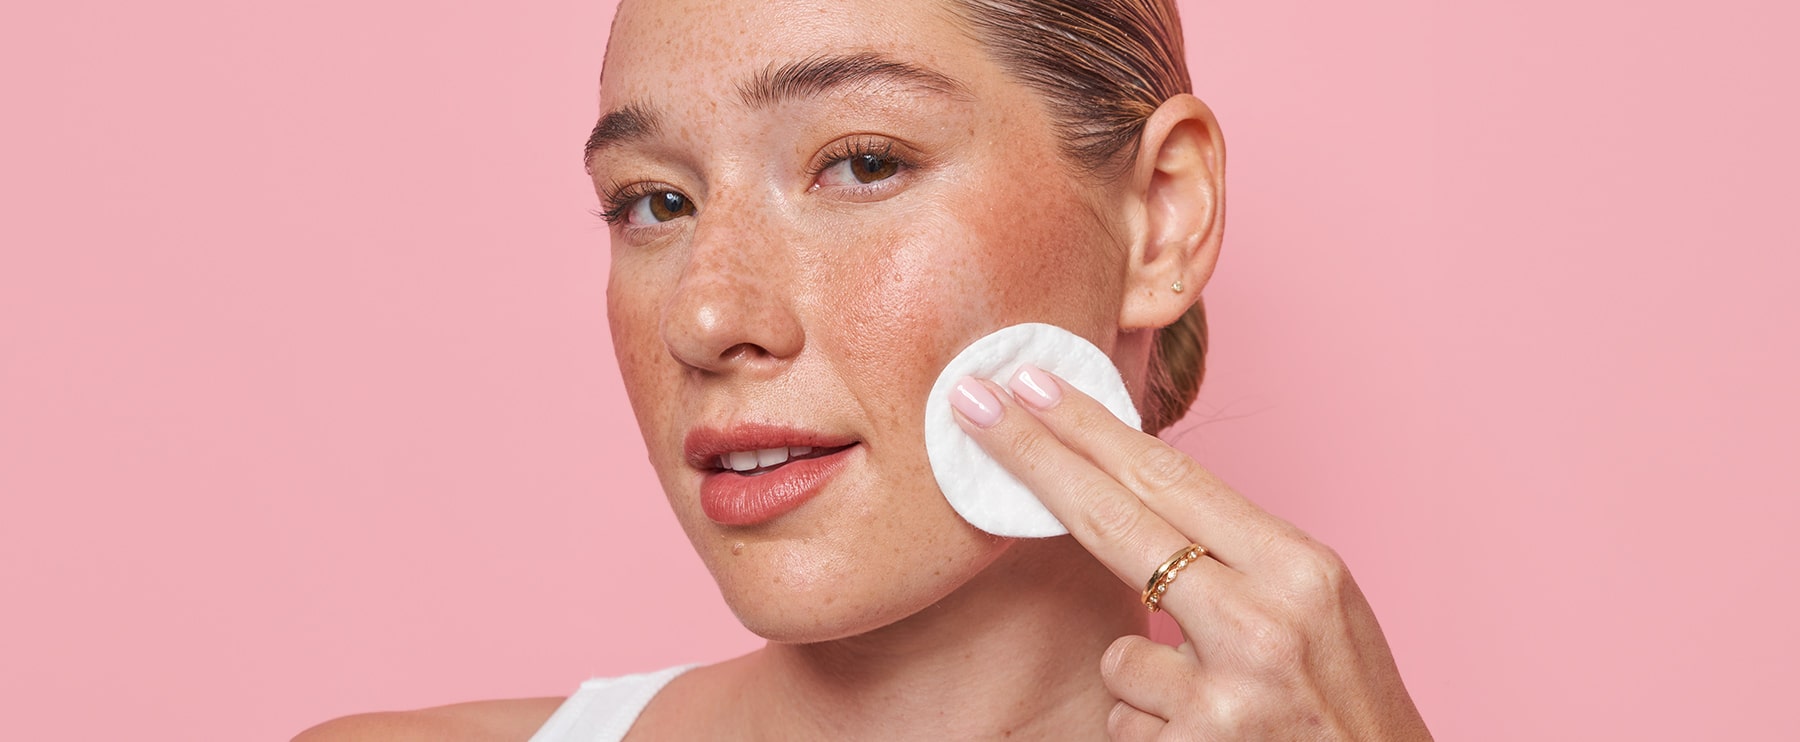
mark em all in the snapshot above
pixel 1108 520
pixel 1170 482
pixel 1154 677
pixel 1127 724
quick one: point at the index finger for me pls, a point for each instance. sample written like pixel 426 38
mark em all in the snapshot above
pixel 1109 520
pixel 1171 483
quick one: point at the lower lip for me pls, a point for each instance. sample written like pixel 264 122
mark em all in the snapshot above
pixel 734 499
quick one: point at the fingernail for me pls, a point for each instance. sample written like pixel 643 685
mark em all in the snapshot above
pixel 975 402
pixel 1035 387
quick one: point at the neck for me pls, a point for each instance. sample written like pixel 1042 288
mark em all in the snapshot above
pixel 1016 651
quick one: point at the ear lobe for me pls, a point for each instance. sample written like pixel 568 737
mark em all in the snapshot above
pixel 1180 182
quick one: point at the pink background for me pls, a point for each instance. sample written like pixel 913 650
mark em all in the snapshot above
pixel 307 404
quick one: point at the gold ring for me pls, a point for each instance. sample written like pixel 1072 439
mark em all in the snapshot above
pixel 1165 574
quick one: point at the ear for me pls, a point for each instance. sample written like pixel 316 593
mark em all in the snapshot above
pixel 1178 189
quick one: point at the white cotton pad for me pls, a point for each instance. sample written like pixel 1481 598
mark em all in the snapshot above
pixel 983 493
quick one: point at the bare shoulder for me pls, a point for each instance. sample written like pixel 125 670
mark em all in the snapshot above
pixel 512 720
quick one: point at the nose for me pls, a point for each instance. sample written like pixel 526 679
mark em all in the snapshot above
pixel 732 309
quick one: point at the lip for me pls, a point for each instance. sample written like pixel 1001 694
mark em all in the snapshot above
pixel 734 499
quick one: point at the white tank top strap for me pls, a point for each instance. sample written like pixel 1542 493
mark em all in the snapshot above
pixel 603 709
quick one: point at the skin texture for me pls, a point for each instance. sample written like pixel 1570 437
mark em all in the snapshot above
pixel 784 292
pixel 787 301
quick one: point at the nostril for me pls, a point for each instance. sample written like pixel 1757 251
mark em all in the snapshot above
pixel 743 352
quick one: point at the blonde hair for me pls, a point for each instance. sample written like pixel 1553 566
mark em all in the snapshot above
pixel 1103 66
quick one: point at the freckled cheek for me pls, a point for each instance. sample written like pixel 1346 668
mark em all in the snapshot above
pixel 904 300
pixel 922 288
pixel 633 310
pixel 1051 262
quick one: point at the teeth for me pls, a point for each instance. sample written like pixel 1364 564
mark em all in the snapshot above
pixel 743 460
pixel 761 458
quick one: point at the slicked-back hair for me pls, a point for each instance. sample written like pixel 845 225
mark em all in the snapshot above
pixel 1103 67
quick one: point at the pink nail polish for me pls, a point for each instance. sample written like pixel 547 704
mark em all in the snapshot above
pixel 1035 387
pixel 975 402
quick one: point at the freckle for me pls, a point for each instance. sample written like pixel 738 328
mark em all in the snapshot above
pixel 737 548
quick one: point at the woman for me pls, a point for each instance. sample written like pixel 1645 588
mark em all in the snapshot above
pixel 813 208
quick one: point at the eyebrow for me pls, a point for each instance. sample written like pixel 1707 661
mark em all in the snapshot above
pixel 818 75
pixel 633 122
pixel 801 79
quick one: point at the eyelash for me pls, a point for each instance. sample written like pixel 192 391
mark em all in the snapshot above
pixel 858 147
pixel 619 199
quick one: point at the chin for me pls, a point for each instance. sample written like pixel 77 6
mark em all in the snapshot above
pixel 823 624
pixel 793 594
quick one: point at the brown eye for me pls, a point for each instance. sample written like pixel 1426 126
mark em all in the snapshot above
pixel 870 168
pixel 865 165
pixel 660 207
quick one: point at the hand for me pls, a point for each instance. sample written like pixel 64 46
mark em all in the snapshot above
pixel 1280 642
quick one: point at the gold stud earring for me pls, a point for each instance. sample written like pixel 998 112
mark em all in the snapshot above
pixel 1176 287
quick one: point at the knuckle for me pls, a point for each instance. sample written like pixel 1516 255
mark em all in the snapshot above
pixel 1118 721
pixel 1316 576
pixel 1111 519
pixel 1229 712
pixel 1253 712
pixel 1271 646
pixel 1117 657
pixel 1030 449
pixel 1162 467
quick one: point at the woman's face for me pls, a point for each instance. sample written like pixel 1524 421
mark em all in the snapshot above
pixel 814 206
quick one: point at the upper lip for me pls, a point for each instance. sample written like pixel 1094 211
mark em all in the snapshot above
pixel 704 445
